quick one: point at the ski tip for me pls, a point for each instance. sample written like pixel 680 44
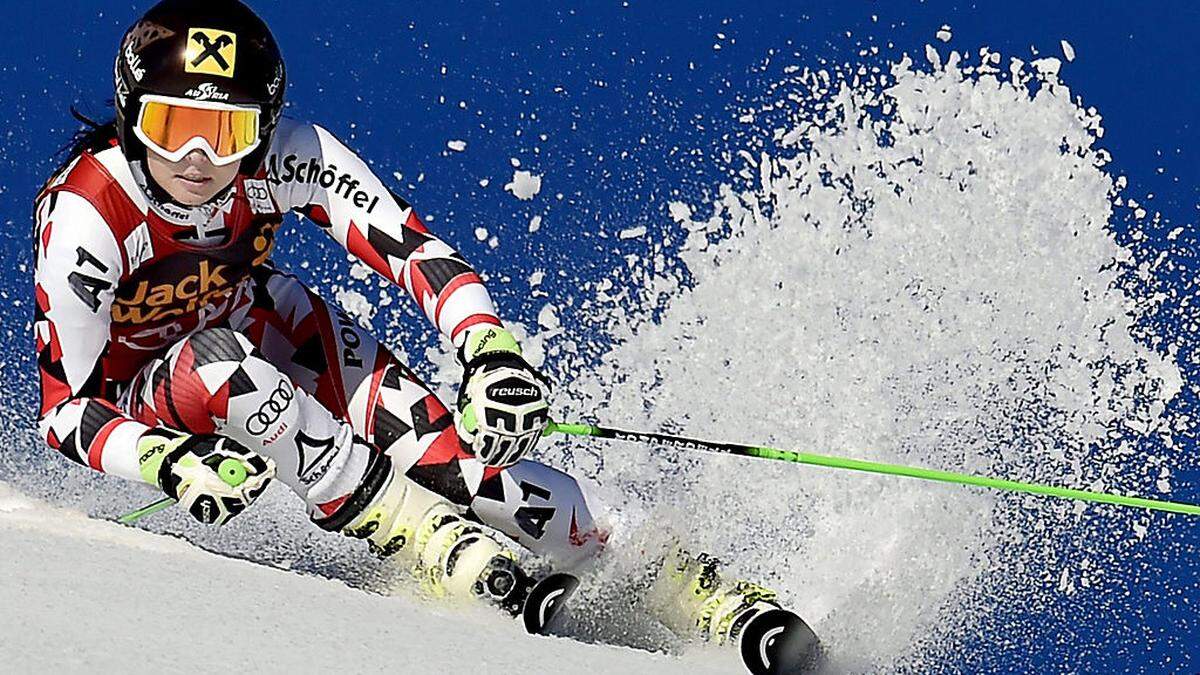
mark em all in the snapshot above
pixel 546 600
pixel 778 642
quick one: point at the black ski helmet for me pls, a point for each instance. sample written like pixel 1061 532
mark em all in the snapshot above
pixel 211 50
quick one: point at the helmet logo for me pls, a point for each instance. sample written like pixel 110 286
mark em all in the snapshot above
pixel 146 33
pixel 207 92
pixel 273 88
pixel 211 52
pixel 134 62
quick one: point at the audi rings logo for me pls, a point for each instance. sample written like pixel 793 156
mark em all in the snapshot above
pixel 268 413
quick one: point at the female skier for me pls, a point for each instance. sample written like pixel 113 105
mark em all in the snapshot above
pixel 172 351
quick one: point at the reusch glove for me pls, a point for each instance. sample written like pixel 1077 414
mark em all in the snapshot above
pixel 213 477
pixel 502 409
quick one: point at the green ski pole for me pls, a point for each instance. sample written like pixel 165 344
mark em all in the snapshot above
pixel 683 443
pixel 136 515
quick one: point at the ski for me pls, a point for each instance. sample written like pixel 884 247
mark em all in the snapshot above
pixel 545 600
pixel 779 642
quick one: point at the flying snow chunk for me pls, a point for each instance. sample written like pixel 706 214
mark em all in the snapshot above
pixel 633 232
pixel 356 304
pixel 535 224
pixel 547 318
pixel 481 233
pixel 944 34
pixel 1048 66
pixel 932 56
pixel 1068 50
pixel 360 271
pixel 456 145
pixel 680 212
pixel 524 185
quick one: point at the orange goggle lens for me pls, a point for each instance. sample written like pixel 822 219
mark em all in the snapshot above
pixel 227 131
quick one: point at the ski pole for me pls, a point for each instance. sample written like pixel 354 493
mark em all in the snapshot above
pixel 230 470
pixel 683 443
pixel 136 515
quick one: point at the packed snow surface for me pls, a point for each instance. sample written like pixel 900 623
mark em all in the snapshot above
pixel 86 596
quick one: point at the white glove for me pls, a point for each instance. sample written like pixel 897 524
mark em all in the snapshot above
pixel 213 477
pixel 502 410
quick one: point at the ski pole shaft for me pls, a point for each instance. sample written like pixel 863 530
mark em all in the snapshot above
pixel 683 443
pixel 138 514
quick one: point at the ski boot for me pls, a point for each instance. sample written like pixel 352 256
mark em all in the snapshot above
pixel 451 556
pixel 692 598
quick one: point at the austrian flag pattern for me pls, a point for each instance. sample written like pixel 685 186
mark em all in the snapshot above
pixel 121 278
pixel 337 192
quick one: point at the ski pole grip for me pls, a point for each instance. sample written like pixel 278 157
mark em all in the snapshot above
pixel 232 472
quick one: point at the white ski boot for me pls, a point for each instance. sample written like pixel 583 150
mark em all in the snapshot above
pixel 450 555
pixel 693 599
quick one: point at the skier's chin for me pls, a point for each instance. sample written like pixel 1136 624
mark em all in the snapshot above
pixel 191 181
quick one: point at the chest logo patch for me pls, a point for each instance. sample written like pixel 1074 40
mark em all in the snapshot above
pixel 210 284
pixel 259 196
pixel 210 52
pixel 138 247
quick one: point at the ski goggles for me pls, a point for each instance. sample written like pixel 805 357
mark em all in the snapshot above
pixel 173 127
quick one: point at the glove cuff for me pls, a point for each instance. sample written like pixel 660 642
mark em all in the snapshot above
pixel 486 340
pixel 157 449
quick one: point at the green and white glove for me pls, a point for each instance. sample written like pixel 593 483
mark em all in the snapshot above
pixel 213 477
pixel 502 410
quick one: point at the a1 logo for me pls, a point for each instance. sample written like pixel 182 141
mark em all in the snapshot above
pixel 533 519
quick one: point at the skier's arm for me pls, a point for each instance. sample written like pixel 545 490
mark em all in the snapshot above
pixel 76 269
pixel 318 176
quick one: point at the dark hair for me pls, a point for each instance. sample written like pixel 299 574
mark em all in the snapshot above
pixel 95 136
pixel 92 137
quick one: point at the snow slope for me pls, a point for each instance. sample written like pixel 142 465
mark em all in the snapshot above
pixel 85 595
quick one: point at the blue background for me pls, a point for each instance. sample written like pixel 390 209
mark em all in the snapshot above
pixel 624 92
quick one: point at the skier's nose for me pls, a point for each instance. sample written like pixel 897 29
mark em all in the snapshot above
pixel 197 158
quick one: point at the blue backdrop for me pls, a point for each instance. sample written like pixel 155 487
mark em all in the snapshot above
pixel 604 99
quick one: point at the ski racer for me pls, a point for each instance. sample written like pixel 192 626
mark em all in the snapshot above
pixel 172 351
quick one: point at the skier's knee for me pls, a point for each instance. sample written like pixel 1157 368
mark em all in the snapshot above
pixel 547 511
pixel 251 391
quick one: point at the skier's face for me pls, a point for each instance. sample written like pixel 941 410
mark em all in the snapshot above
pixel 192 180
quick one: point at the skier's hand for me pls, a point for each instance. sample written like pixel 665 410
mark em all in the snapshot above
pixel 502 410
pixel 213 477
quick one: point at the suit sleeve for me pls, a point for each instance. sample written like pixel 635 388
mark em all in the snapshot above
pixel 315 174
pixel 77 267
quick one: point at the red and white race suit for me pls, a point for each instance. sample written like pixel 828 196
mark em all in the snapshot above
pixel 150 314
